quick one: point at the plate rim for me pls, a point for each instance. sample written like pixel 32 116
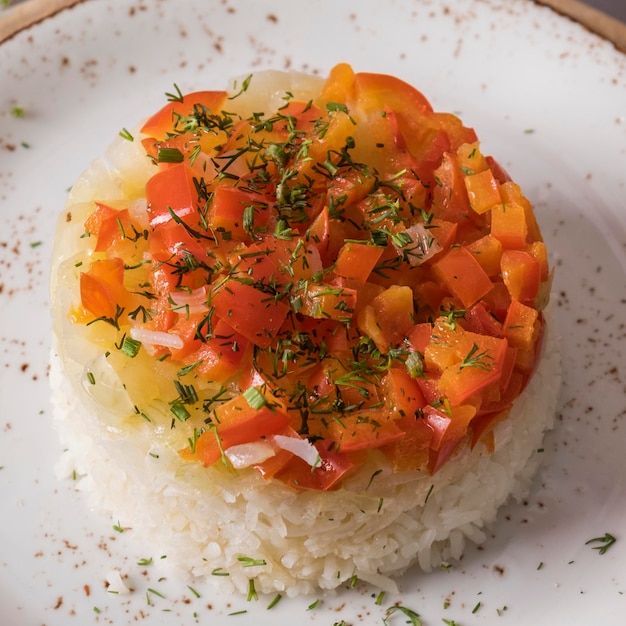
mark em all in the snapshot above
pixel 23 16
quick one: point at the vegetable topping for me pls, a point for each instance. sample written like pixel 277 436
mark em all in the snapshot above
pixel 338 278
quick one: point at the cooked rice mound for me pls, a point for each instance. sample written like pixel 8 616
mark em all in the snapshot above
pixel 114 415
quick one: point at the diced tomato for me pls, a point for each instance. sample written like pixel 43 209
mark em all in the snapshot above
pixel 333 466
pixel 163 121
pixel 428 147
pixel 324 301
pixel 218 357
pixel 430 293
pixel 521 325
pixel 349 188
pixel 470 158
pixel 357 260
pixel 419 337
pixel 403 395
pixel 301 116
pixel 521 274
pixel 339 85
pixel 483 425
pixel 498 171
pixel 511 193
pixel 173 240
pixel 430 387
pixel 412 451
pixel 508 225
pixel 174 190
pixel 469 362
pixel 389 317
pixel 318 234
pixel 258 263
pixel 295 258
pixel 460 382
pixel 226 212
pixel 488 252
pixel 450 199
pixel 102 287
pixel 444 232
pixel 328 381
pixel 449 431
pixel 113 229
pixel 498 300
pixel 272 466
pixel 483 191
pixel 365 292
pixel 539 252
pixel 377 91
pixel 479 320
pixel 95 219
pixel 236 422
pixel 462 274
pixel 364 430
pixel 252 313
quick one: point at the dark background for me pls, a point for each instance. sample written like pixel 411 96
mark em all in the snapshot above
pixel 615 8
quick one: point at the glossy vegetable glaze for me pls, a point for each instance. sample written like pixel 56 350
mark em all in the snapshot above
pixel 343 276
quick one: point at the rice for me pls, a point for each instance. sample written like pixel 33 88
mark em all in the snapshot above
pixel 207 522
pixel 220 520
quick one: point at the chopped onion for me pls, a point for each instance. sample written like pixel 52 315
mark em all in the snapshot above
pixel 196 300
pixel 115 584
pixel 138 211
pixel 246 454
pixel 416 244
pixel 156 338
pixel 300 447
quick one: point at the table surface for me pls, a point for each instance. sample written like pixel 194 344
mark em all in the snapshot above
pixel 614 8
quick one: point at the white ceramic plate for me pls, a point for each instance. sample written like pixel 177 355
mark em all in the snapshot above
pixel 546 97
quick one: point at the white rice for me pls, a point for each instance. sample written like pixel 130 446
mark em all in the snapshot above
pixel 215 519
pixel 206 520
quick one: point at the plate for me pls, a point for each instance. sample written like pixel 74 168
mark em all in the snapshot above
pixel 547 98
